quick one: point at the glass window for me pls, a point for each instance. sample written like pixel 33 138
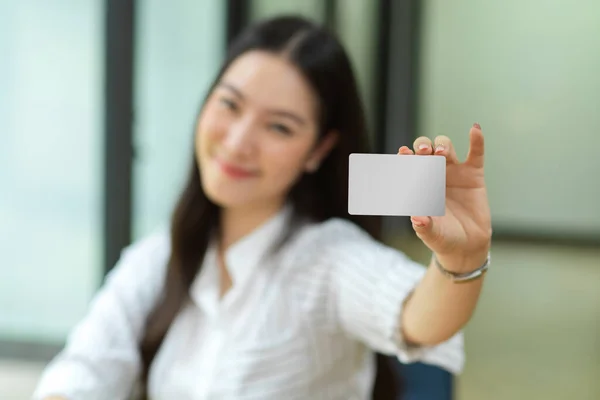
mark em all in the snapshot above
pixel 51 80
pixel 314 9
pixel 179 48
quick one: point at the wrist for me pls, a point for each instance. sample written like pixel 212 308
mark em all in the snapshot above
pixel 464 263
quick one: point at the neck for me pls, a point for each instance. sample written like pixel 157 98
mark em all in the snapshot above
pixel 237 222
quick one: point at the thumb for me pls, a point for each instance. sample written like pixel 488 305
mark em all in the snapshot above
pixel 426 229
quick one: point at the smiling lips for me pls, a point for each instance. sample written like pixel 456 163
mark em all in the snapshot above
pixel 233 171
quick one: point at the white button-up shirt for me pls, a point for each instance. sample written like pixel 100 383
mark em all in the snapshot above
pixel 301 325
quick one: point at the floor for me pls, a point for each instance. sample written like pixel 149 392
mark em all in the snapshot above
pixel 535 335
pixel 17 379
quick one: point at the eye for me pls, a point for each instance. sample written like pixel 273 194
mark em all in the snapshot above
pixel 281 128
pixel 228 103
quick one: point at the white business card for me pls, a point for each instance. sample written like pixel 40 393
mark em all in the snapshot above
pixel 393 184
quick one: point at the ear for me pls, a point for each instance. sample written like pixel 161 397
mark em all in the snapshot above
pixel 321 151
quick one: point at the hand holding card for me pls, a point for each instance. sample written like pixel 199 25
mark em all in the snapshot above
pixel 446 199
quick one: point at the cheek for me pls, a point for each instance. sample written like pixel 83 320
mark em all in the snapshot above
pixel 209 131
pixel 286 162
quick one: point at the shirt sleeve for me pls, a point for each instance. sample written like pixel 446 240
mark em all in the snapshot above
pixel 101 359
pixel 370 282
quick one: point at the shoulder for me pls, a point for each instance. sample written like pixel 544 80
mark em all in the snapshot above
pixel 156 244
pixel 145 258
pixel 342 229
pixel 319 240
pixel 341 242
pixel 338 232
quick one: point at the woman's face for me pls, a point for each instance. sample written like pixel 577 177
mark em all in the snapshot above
pixel 257 133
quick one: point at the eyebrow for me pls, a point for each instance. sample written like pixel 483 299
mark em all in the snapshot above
pixel 282 113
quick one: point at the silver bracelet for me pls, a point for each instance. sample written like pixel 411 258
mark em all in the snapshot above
pixel 465 276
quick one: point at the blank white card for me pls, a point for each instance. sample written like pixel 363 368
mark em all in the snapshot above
pixel 392 184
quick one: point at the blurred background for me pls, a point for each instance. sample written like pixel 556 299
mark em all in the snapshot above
pixel 97 103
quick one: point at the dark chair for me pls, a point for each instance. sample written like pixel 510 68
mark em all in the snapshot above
pixel 415 381
pixel 425 382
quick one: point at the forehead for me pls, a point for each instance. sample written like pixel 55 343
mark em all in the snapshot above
pixel 270 81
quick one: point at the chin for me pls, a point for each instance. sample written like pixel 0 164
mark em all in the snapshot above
pixel 226 196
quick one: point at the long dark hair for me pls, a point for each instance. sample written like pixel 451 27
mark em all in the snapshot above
pixel 319 56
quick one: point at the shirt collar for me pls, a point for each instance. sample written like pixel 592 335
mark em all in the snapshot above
pixel 242 258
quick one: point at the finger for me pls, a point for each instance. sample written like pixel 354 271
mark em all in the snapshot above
pixel 476 147
pixel 422 145
pixel 404 150
pixel 444 147
pixel 425 228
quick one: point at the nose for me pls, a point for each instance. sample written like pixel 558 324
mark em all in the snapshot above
pixel 239 138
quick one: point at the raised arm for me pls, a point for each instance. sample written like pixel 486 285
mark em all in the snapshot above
pixel 460 240
pixel 440 307
pixel 371 284
pixel 397 306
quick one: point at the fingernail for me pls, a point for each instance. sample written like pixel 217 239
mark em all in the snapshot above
pixel 423 146
pixel 417 223
pixel 439 148
pixel 476 125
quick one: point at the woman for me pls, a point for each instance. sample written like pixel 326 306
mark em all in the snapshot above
pixel 265 287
